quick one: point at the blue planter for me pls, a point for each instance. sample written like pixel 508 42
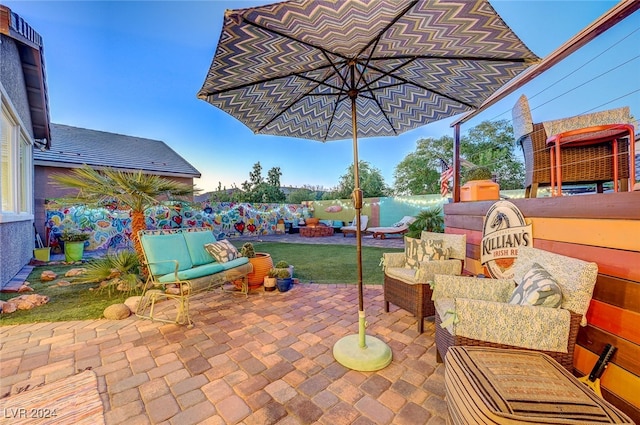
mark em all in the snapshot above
pixel 284 285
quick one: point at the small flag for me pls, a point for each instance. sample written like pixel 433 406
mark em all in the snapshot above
pixel 445 176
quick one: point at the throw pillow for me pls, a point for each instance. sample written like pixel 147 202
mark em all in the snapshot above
pixel 222 251
pixel 539 288
pixel 413 253
pixel 435 250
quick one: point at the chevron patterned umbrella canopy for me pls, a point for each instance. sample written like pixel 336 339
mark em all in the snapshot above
pixel 338 69
pixel 284 69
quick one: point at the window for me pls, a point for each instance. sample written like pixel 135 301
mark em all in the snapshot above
pixel 16 167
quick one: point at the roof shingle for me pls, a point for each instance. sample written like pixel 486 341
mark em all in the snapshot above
pixel 73 146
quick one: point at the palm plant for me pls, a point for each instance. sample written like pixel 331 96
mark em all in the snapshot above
pixel 430 220
pixel 134 190
pixel 116 269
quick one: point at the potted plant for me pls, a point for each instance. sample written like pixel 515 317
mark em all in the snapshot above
pixel 284 281
pixel 261 262
pixel 270 280
pixel 284 265
pixel 74 240
pixel 479 186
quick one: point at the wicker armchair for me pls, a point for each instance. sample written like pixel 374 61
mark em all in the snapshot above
pixel 580 164
pixel 408 275
pixel 474 311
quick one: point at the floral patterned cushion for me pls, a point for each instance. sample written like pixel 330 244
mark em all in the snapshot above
pixel 575 277
pixel 539 288
pixel 222 251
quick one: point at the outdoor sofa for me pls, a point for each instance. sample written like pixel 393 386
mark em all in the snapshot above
pixel 185 262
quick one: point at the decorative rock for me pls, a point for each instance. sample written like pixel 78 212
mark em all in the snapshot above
pixel 25 288
pixel 117 312
pixel 155 293
pixel 27 302
pixel 7 307
pixel 47 276
pixel 63 283
pixel 75 272
pixel 132 303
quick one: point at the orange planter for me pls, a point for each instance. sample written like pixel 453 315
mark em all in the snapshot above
pixel 262 262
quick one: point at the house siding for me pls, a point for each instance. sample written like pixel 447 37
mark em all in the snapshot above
pixel 12 80
pixel 16 237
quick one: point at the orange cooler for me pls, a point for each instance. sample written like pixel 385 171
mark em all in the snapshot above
pixel 480 190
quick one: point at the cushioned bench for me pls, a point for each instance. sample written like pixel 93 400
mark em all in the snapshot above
pixel 184 262
pixel 499 386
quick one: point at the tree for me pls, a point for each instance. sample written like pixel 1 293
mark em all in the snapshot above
pixel 490 144
pixel 371 182
pixel 221 194
pixel 134 190
pixel 256 189
pixel 419 172
pixel 300 195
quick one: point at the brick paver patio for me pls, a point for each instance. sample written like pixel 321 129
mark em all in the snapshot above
pixel 265 359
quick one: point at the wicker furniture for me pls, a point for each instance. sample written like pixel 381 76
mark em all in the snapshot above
pixel 496 386
pixel 580 164
pixel 588 136
pixel 407 283
pixel 474 311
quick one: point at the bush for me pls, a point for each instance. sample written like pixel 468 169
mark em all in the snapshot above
pixel 429 220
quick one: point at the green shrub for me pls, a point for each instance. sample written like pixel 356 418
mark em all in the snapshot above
pixel 429 220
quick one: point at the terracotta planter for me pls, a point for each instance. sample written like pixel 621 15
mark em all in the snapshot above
pixel 262 263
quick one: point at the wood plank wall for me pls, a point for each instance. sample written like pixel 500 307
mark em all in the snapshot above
pixel 605 229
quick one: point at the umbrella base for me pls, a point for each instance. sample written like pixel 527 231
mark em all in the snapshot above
pixel 375 355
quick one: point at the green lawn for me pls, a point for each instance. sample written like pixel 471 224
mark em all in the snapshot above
pixel 312 263
pixel 327 263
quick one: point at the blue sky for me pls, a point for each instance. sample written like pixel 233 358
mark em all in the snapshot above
pixel 134 68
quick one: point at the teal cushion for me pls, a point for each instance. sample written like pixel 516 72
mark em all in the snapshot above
pixel 195 244
pixel 539 288
pixel 160 249
pixel 204 270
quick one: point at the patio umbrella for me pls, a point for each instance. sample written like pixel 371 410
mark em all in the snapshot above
pixel 330 70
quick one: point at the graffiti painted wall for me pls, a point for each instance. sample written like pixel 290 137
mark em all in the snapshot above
pixel 110 228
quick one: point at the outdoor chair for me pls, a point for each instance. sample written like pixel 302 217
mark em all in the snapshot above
pixel 399 228
pixel 581 164
pixel 408 275
pixel 352 227
pixel 540 309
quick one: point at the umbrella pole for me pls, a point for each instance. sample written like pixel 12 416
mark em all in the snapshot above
pixel 359 352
